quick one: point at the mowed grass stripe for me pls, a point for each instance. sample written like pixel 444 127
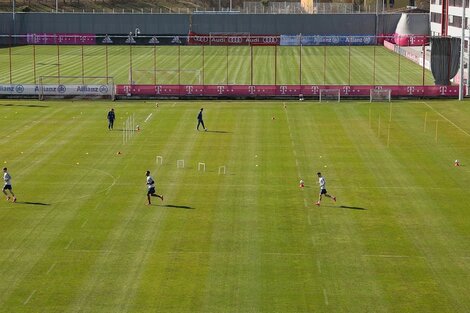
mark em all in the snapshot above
pixel 37 236
pixel 320 65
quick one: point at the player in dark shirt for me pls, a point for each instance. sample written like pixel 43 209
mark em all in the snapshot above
pixel 200 121
pixel 111 118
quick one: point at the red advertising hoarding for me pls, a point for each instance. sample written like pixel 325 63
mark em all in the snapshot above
pixel 280 90
pixel 233 39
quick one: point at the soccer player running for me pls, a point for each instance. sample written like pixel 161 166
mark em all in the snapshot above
pixel 7 186
pixel 200 121
pixel 151 188
pixel 111 118
pixel 322 182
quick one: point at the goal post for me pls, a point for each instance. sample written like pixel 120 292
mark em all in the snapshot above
pixel 86 87
pixel 327 95
pixel 380 95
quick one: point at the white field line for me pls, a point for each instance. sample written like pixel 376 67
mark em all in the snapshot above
pixel 440 114
pixel 84 223
pixel 29 298
pixel 68 245
pixel 325 296
pixel 319 266
pixel 148 117
pixel 51 268
pixel 392 256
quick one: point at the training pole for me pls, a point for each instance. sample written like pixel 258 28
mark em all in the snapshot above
pixel 425 120
pixel 379 127
pixel 390 119
pixel 388 135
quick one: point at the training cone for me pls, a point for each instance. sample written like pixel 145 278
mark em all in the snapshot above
pixel 118 153
pixel 457 163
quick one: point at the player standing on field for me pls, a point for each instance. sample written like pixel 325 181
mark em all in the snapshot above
pixel 7 186
pixel 151 188
pixel 322 182
pixel 200 121
pixel 111 118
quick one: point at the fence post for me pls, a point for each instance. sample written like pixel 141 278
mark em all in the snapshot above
pixel 9 55
pixel 58 61
pixel 34 63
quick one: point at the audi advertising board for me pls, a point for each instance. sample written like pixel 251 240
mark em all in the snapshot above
pixel 233 39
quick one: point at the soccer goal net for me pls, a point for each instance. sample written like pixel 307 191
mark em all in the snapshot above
pixel 169 77
pixel 82 87
pixel 380 95
pixel 330 95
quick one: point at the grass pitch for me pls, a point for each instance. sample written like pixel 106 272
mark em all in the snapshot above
pixel 211 65
pixel 81 239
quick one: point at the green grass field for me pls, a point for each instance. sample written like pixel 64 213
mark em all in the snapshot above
pixel 81 239
pixel 208 65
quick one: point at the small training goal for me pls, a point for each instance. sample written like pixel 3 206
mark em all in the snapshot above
pixel 330 95
pixel 380 95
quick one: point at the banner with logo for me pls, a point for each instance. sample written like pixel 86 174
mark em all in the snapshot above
pixel 330 40
pixel 233 39
pixel 141 40
pixel 59 39
pixel 57 90
pixel 280 90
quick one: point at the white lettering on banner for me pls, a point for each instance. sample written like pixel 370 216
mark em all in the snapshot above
pixel 158 89
pixel 315 90
pixel 7 88
pixel 127 89
pixel 269 39
pixel 189 90
pixel 283 89
pixel 235 39
pixel 443 90
pixel 220 89
pixel 346 90
pixel 218 39
pixel 201 38
pixel 251 90
pixel 410 90
pixel 88 89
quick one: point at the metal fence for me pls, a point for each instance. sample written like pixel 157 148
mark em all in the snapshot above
pixel 183 60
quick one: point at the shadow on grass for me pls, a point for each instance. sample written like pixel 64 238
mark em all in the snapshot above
pixel 24 105
pixel 176 206
pixel 218 131
pixel 351 207
pixel 32 203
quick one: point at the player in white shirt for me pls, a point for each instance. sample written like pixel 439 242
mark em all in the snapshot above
pixel 7 185
pixel 322 182
pixel 151 188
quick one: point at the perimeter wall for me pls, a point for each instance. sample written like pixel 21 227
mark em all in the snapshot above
pixel 179 24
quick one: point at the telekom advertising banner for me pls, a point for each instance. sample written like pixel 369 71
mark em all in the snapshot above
pixel 233 39
pixel 280 90
pixel 61 39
